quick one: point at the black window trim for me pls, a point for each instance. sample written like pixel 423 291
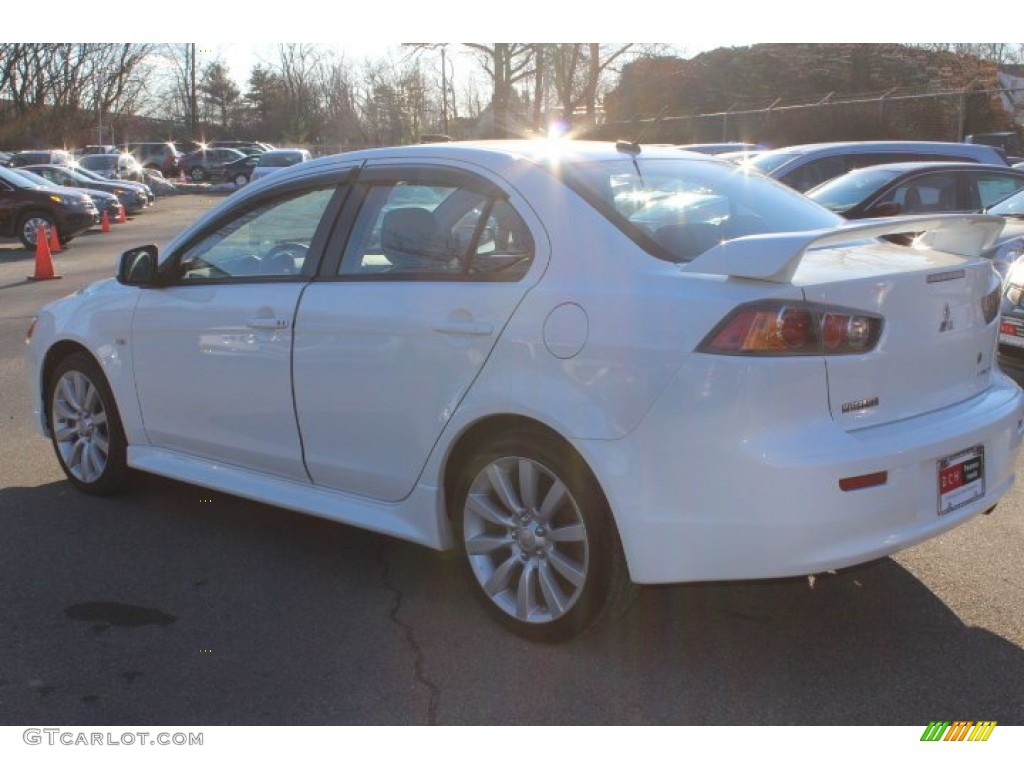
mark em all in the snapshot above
pixel 392 173
pixel 340 180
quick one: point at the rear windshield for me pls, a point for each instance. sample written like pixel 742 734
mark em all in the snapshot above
pixel 98 161
pixel 280 161
pixel 677 209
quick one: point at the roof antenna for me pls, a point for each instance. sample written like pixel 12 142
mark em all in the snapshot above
pixel 633 147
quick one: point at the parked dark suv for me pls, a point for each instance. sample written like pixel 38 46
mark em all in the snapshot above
pixel 156 155
pixel 25 206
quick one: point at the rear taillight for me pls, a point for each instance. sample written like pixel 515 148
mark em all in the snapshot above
pixel 793 328
pixel 990 304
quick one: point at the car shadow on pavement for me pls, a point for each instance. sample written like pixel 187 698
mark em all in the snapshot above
pixel 171 604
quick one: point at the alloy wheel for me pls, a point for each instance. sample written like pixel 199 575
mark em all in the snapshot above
pixel 526 540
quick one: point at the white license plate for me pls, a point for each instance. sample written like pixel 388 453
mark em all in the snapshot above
pixel 1011 332
pixel 961 479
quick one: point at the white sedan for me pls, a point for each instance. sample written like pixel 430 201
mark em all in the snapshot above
pixel 583 365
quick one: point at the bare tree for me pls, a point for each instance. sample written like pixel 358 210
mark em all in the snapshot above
pixel 505 64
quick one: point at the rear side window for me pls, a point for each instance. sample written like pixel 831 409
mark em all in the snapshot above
pixel 989 188
pixel 424 230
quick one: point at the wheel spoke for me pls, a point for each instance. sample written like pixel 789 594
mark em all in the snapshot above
pixel 101 445
pixel 66 432
pixel 68 389
pixel 64 412
pixel 568 533
pixel 524 595
pixel 500 579
pixel 482 507
pixel 527 483
pixel 89 464
pixel 572 571
pixel 549 588
pixel 91 398
pixel 555 496
pixel 75 457
pixel 501 484
pixel 484 544
pixel 99 419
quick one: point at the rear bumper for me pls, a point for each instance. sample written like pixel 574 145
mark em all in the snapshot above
pixel 697 500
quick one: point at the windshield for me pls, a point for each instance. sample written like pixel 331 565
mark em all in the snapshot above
pixel 89 174
pixel 849 190
pixel 766 162
pixel 677 209
pixel 21 182
pixel 1011 206
pixel 35 179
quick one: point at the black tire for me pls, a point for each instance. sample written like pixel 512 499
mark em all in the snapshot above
pixel 548 571
pixel 198 173
pixel 241 179
pixel 85 426
pixel 27 227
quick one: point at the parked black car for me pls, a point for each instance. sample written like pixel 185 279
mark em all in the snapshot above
pixel 143 188
pixel 132 198
pixel 25 206
pixel 104 201
pixel 917 188
pixel 239 171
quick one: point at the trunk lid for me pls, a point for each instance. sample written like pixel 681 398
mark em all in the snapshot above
pixel 937 346
pixel 938 342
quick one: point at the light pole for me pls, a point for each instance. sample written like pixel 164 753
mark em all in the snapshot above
pixel 444 92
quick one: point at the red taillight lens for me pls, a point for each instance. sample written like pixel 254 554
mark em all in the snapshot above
pixel 793 328
pixel 990 304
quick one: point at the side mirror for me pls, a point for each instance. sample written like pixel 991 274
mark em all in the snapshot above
pixel 138 266
pixel 886 209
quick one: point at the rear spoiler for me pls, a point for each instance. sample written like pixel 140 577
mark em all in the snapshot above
pixel 775 257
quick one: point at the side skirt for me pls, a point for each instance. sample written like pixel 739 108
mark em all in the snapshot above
pixel 412 519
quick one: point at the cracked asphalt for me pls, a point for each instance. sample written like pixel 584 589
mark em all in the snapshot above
pixel 171 604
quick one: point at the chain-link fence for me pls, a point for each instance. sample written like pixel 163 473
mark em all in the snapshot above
pixel 895 114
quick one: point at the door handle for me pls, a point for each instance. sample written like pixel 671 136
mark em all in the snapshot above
pixel 465 328
pixel 267 323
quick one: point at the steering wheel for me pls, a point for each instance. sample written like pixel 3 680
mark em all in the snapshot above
pixel 284 259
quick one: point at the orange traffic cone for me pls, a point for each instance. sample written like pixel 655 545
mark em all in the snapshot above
pixel 104 222
pixel 44 260
pixel 121 218
pixel 54 240
pixel 181 175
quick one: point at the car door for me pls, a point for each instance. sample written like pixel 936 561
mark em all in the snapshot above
pixel 212 347
pixel 389 341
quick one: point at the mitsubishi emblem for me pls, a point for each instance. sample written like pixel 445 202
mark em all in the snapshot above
pixel 947 320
